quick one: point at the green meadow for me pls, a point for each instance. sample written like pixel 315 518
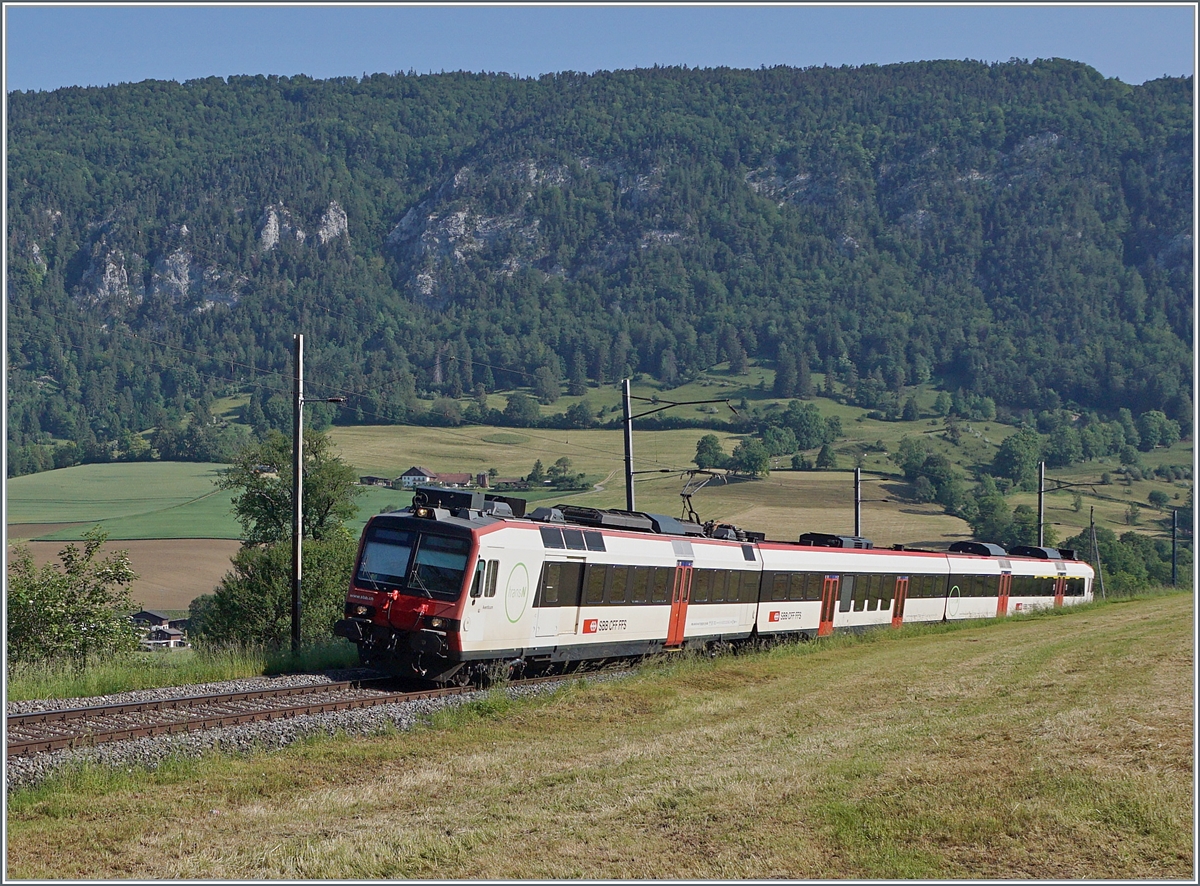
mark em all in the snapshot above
pixel 131 500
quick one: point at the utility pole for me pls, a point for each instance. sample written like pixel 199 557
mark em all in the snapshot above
pixel 628 445
pixel 1174 546
pixel 297 481
pixel 1041 503
pixel 626 399
pixel 298 477
pixel 858 502
pixel 1096 553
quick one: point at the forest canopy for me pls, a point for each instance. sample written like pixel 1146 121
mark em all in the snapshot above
pixel 1016 232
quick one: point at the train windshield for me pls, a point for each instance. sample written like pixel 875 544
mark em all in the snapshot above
pixel 413 562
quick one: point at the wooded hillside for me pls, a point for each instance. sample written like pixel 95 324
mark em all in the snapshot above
pixel 1019 231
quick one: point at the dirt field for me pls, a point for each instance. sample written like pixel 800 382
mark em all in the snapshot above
pixel 172 572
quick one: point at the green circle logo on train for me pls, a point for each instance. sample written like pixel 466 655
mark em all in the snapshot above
pixel 516 594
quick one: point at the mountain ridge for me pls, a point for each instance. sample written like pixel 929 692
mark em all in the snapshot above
pixel 1017 230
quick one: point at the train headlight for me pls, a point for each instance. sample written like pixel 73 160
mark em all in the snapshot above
pixel 361 610
pixel 436 623
pixel 424 512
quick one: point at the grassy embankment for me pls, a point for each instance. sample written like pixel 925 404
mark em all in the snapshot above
pixel 1052 746
pixel 174 667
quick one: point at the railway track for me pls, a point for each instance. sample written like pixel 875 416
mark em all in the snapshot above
pixel 43 731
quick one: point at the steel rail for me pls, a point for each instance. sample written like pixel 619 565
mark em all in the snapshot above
pixel 56 731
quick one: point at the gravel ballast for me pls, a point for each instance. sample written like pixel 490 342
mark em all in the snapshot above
pixel 25 772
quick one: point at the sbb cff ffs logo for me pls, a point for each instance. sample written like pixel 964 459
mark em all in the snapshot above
pixel 591 625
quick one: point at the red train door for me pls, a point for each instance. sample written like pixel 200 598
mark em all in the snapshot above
pixel 1060 587
pixel 829 594
pixel 680 595
pixel 1005 589
pixel 901 595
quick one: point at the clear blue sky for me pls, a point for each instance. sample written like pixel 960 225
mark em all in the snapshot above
pixel 49 46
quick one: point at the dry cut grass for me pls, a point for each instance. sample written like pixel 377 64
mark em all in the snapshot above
pixel 1040 747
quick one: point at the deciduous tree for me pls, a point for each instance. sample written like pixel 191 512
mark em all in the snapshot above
pixel 74 610
pixel 261 478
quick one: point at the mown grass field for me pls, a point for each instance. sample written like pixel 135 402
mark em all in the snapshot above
pixel 1049 747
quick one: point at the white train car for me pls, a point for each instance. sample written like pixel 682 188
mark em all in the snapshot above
pixel 460 583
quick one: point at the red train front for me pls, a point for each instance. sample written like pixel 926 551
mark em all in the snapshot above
pixel 404 606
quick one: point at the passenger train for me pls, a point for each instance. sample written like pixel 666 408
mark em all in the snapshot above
pixel 463 585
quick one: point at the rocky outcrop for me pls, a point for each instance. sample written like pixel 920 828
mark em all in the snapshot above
pixel 275 225
pixel 107 282
pixel 334 223
pixel 179 279
pixel 172 276
pixel 486 214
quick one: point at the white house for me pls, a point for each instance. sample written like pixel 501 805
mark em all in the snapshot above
pixel 415 476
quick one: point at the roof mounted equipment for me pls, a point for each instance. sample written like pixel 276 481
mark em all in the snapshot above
pixel 824 540
pixel 978 548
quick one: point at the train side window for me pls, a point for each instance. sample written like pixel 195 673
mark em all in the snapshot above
pixel 796 583
pixel 489 584
pixel 888 592
pixel 616 584
pixel 573 539
pixel 594 541
pixel 639 583
pixel 552 537
pixel 847 593
pixel 569 582
pixel 701 585
pixel 477 584
pixel 594 583
pixel 720 584
pixel 779 583
pixel 862 590
pixel 720 580
pixel 660 592
pixel 873 593
pixel 991 586
pixel 749 591
pixel 551 580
